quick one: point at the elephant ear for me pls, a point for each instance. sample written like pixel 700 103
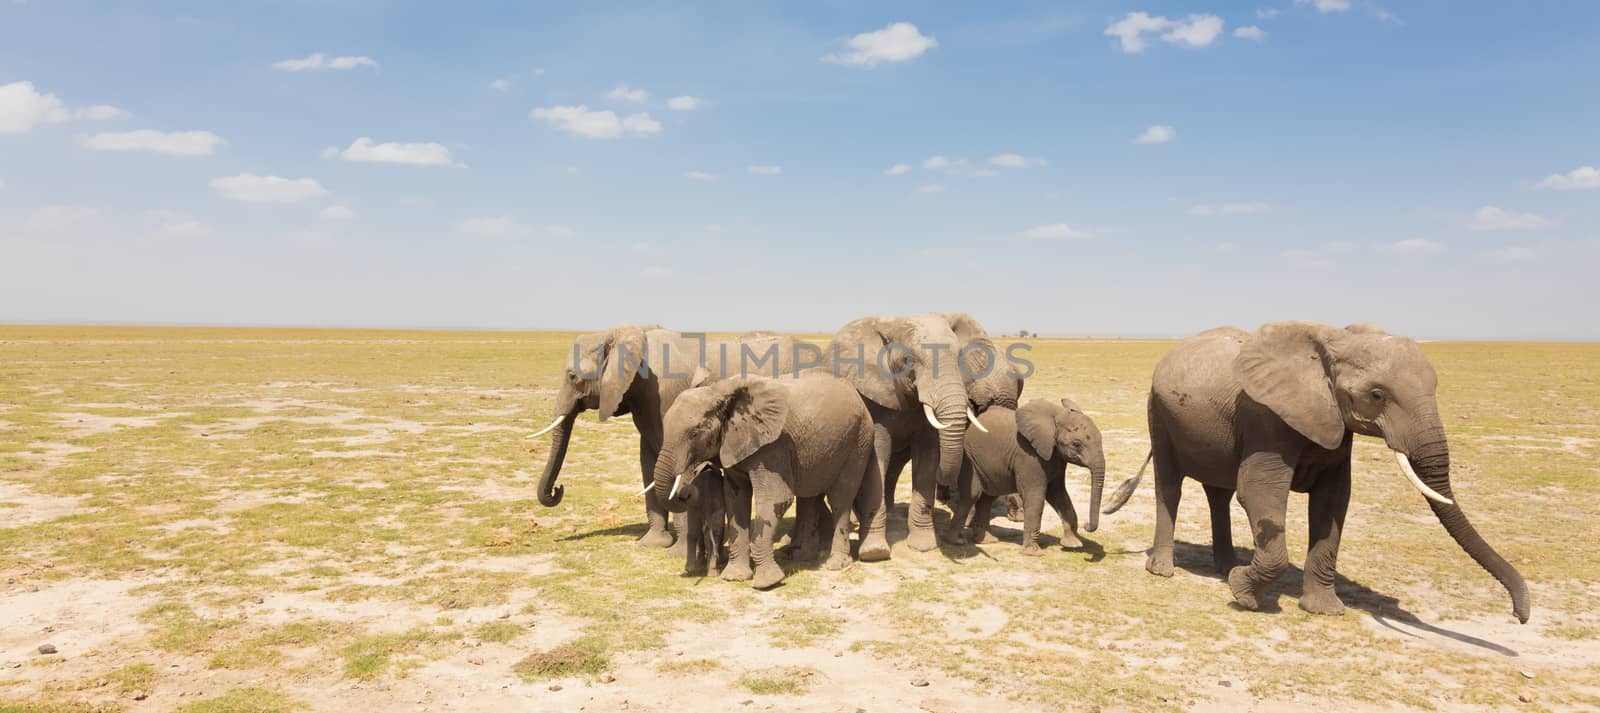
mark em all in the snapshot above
pixel 624 355
pixel 1284 367
pixel 1365 328
pixel 863 338
pixel 1036 422
pixel 966 328
pixel 754 410
pixel 1071 406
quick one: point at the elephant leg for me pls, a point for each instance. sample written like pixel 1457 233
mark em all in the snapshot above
pixel 770 497
pixel 1329 500
pixel 804 541
pixel 872 514
pixel 693 535
pixel 1221 528
pixel 1056 495
pixel 892 464
pixel 961 506
pixel 982 511
pixel 1169 489
pixel 840 497
pixel 924 478
pixel 655 511
pixel 1032 512
pixel 1264 492
pixel 716 526
pixel 736 493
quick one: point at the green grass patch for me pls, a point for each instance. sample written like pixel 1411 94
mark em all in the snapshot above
pixel 245 700
pixel 779 680
pixel 584 657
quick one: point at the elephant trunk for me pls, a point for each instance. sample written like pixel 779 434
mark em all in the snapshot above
pixel 1097 484
pixel 1432 463
pixel 951 408
pixel 549 493
pixel 667 470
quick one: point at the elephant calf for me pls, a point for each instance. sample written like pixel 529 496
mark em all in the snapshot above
pixel 706 525
pixel 1026 452
pixel 775 440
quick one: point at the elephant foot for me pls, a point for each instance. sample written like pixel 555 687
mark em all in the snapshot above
pixel 837 562
pixel 679 548
pixel 874 549
pixel 1244 592
pixel 1032 550
pixel 955 537
pixel 1070 541
pixel 713 572
pixel 737 572
pixel 800 554
pixel 1160 566
pixel 1320 600
pixel 982 536
pixel 657 537
pixel 1224 565
pixel 922 539
pixel 767 576
pixel 1014 508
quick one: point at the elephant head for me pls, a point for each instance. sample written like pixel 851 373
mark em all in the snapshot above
pixel 988 379
pixel 600 369
pixel 1063 432
pixel 910 363
pixel 1323 381
pixel 724 422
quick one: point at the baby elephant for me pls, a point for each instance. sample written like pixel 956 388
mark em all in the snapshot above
pixel 705 528
pixel 1026 452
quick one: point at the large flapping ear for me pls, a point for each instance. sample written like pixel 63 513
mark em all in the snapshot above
pixel 966 328
pixel 624 355
pixel 753 411
pixel 1365 328
pixel 1284 367
pixel 863 339
pixel 1036 422
pixel 1070 405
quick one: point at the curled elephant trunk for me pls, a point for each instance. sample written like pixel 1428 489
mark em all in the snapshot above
pixel 668 480
pixel 1432 463
pixel 1125 490
pixel 1097 484
pixel 560 434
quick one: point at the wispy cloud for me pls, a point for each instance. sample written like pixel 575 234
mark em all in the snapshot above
pixel 1056 231
pixel 621 92
pixel 414 154
pixel 683 103
pixel 1207 209
pixel 1414 247
pixel 897 169
pixel 700 176
pixel 175 143
pixel 1578 179
pixel 318 61
pixel 22 107
pixel 1326 6
pixel 597 124
pixel 1492 219
pixel 1250 32
pixel 1158 134
pixel 898 42
pixel 1194 31
pixel 1012 160
pixel 766 170
pixel 251 188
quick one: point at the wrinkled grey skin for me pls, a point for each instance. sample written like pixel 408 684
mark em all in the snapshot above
pixel 1027 452
pixel 901 432
pixel 625 386
pixel 775 440
pixel 1275 411
pixel 706 522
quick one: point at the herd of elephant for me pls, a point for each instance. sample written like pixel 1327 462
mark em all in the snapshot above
pixel 724 450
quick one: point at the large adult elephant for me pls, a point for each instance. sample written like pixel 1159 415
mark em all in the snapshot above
pixel 1267 413
pixel 641 370
pixel 921 378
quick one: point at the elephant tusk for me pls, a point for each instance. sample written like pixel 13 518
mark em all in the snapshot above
pixel 1411 475
pixel 928 411
pixel 676 483
pixel 546 429
pixel 642 493
pixel 973 419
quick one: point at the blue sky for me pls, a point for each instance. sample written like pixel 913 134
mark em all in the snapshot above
pixel 1094 168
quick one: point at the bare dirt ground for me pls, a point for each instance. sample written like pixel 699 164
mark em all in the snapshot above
pixel 272 520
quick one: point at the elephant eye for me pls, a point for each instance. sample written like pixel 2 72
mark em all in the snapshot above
pixel 1377 394
pixel 1077 445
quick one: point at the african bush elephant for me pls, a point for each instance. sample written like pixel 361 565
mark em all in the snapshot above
pixel 1027 452
pixel 640 370
pixel 921 378
pixel 706 521
pixel 1266 413
pixel 776 439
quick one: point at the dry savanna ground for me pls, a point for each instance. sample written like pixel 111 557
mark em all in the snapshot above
pixel 277 520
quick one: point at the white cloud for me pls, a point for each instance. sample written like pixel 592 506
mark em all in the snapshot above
pixel 500 85
pixel 1585 178
pixel 176 143
pixel 1326 5
pixel 1056 231
pixel 171 224
pixel 318 61
pixel 683 103
pixel 1267 13
pixel 1490 218
pixel 1384 15
pixel 766 170
pixel 1414 247
pixel 1158 134
pixel 939 163
pixel 337 212
pixel 930 188
pixel 597 124
pixel 897 169
pixel 622 93
pixel 251 188
pixel 489 226
pixel 414 154
pixel 700 176
pixel 1250 32
pixel 22 107
pixel 1011 160
pixel 1198 30
pixel 899 42
pixel 1230 209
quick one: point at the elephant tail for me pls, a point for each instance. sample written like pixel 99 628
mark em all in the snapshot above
pixel 1125 491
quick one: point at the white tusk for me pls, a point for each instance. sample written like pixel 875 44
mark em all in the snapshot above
pixel 973 419
pixel 676 483
pixel 647 488
pixel 928 411
pixel 1411 475
pixel 546 429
